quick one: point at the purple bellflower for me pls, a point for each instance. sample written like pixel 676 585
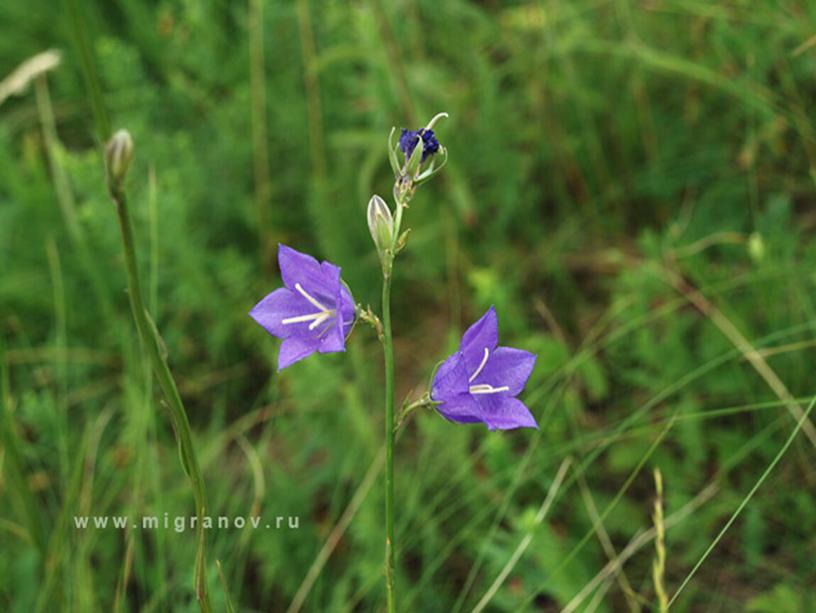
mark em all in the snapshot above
pixel 480 382
pixel 313 312
pixel 408 141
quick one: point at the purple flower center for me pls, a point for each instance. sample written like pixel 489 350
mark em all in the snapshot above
pixel 323 314
pixel 480 381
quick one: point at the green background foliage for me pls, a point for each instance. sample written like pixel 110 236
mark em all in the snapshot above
pixel 630 184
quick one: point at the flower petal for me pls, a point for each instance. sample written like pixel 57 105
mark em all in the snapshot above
pixel 314 278
pixel 461 408
pixel 430 144
pixel 294 349
pixel 509 367
pixel 483 334
pixel 345 307
pixel 333 340
pixel 330 272
pixel 505 413
pixel 276 307
pixel 451 378
pixel 408 142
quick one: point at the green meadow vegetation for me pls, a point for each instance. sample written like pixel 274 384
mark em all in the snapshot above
pixel 630 183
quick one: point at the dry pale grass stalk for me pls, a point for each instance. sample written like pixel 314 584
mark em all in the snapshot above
pixel 19 80
pixel 637 543
pixel 608 547
pixel 525 542
pixel 749 352
pixel 659 563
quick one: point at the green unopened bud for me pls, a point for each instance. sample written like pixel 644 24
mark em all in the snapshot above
pixel 118 155
pixel 756 247
pixel 380 223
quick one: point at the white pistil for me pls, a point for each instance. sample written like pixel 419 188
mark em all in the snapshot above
pixel 481 366
pixel 485 388
pixel 316 318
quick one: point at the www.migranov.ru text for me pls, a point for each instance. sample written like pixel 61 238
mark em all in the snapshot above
pixel 180 523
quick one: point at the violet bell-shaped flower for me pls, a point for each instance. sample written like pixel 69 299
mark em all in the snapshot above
pixel 313 312
pixel 480 382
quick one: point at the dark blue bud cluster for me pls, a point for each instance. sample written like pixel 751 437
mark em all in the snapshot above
pixel 408 142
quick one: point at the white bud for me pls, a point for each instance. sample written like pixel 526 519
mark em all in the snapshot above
pixel 380 223
pixel 118 154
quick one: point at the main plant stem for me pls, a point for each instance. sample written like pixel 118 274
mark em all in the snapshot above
pixel 388 350
pixel 402 197
pixel 153 344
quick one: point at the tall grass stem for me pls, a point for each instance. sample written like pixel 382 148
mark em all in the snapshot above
pixel 745 501
pixel 153 345
pixel 86 55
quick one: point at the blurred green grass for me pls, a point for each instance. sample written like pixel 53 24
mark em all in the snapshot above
pixel 608 160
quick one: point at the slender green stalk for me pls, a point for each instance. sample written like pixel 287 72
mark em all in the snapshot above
pixel 153 344
pixel 528 538
pixel 659 563
pixel 388 350
pixel 65 196
pixel 402 197
pixel 60 360
pixel 395 60
pixel 260 139
pixel 88 63
pixel 314 113
pixel 745 501
pixel 17 482
pixel 387 236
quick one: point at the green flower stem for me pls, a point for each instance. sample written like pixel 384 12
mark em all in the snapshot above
pixel 423 403
pixel 402 198
pixel 151 340
pixel 388 350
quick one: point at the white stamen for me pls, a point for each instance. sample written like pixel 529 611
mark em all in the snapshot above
pixel 311 299
pixel 316 318
pixel 485 388
pixel 481 366
pixel 301 318
pixel 320 319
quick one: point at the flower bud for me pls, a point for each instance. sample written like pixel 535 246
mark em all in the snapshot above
pixel 417 147
pixel 756 247
pixel 380 223
pixel 118 154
